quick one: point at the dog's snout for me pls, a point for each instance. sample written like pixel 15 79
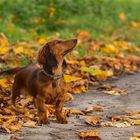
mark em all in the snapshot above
pixel 75 40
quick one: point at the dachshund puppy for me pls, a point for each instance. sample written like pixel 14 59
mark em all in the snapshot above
pixel 45 83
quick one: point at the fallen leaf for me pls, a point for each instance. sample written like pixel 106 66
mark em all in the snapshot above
pixel 135 122
pixel 134 113
pixel 5 83
pixel 100 74
pixel 8 111
pixel 16 138
pixel 26 101
pixel 19 49
pixel 116 124
pixel 83 35
pixel 122 124
pixel 30 124
pixel 42 41
pixel 11 120
pixel 106 86
pixel 69 78
pixel 94 134
pixel 111 49
pixel 134 138
pixel 122 16
pixel 124 45
pixel 10 128
pixel 93 120
pixel 4 44
pixel 68 97
pixel 136 135
pixel 116 92
pixel 120 118
pixel 135 24
pixel 93 109
pixel 75 111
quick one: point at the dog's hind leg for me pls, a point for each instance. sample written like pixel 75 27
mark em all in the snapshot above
pixel 16 91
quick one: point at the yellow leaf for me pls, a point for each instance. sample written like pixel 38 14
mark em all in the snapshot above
pixel 12 119
pixel 19 49
pixel 134 113
pixel 122 44
pixel 134 138
pixel 69 78
pixel 93 120
pixel 136 122
pixel 122 16
pixel 89 134
pixel 100 74
pixel 135 24
pixel 14 128
pixel 11 127
pixel 4 44
pixel 51 11
pixel 23 50
pixel 72 62
pixel 136 135
pixel 111 49
pixel 3 50
pixel 42 41
pixel 68 97
pixel 5 83
pixel 74 53
pixel 4 41
pixel 28 52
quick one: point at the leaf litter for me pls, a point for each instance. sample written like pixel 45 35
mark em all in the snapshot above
pixel 92 134
pixel 103 60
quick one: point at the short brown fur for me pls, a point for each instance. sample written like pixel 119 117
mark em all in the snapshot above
pixel 38 83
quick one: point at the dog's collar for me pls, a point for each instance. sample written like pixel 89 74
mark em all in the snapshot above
pixel 54 77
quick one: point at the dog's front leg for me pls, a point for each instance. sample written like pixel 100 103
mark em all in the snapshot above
pixel 42 111
pixel 59 115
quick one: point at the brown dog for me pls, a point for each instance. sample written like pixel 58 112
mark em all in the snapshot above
pixel 46 83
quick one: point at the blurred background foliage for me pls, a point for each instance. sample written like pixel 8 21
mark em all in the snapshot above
pixel 27 19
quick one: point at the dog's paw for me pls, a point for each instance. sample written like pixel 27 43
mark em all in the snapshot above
pixel 62 121
pixel 41 122
pixel 43 119
pixel 46 122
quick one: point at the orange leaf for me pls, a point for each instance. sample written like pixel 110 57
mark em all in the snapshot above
pixel 90 134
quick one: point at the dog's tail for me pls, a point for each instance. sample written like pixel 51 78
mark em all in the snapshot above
pixel 11 71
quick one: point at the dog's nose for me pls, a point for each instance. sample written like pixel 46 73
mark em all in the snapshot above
pixel 75 40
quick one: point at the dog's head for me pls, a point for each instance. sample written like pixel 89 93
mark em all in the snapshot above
pixel 51 56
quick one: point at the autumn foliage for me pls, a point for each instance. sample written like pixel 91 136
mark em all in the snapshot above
pixel 90 63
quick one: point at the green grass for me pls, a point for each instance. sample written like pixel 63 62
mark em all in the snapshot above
pixel 24 20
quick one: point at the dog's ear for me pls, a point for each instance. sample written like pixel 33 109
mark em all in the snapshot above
pixel 50 59
pixel 45 57
pixel 41 55
pixel 64 65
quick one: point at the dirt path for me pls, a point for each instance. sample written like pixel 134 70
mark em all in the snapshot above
pixel 112 105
